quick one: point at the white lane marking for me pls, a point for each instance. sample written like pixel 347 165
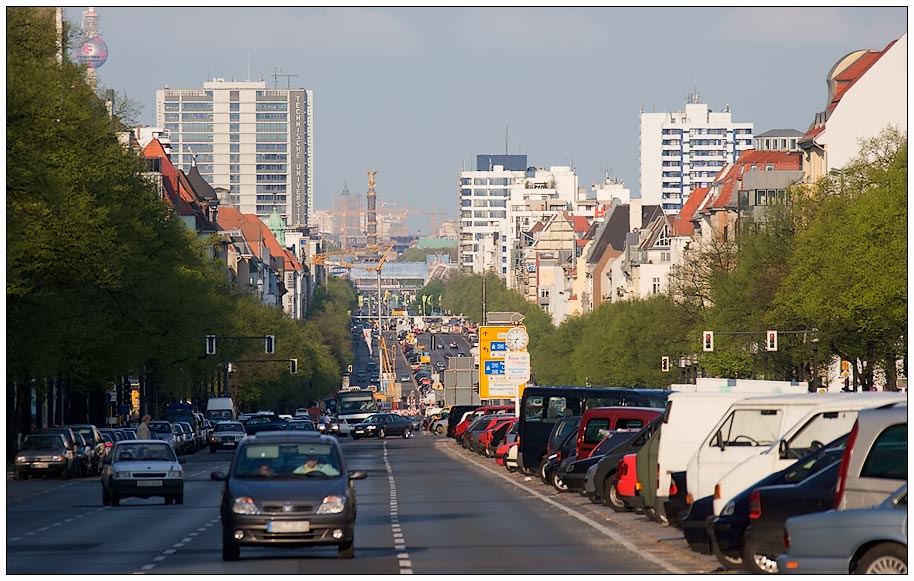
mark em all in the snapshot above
pixel 592 523
pixel 174 548
pixel 399 544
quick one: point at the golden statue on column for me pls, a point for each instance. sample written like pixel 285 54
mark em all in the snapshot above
pixel 371 177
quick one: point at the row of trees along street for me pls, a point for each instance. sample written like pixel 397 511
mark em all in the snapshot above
pixel 833 260
pixel 105 283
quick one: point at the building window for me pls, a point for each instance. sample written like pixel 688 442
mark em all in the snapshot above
pixel 655 285
pixel 234 147
pixel 234 127
pixel 172 106
pixel 272 106
pixel 196 106
pixel 271 147
pixel 234 107
pixel 234 137
pixel 235 158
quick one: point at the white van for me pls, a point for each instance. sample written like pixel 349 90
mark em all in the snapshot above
pixel 690 415
pixel 761 435
pixel 220 409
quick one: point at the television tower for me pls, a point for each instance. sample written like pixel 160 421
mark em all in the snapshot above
pixel 92 52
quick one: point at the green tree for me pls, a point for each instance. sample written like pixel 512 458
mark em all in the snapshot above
pixel 849 267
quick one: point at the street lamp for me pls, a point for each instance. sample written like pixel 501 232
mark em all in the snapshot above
pixel 815 361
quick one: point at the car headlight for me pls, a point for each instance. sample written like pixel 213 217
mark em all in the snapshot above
pixel 729 509
pixel 245 505
pixel 57 458
pixel 21 459
pixel 371 428
pixel 176 472
pixel 332 505
pixel 120 474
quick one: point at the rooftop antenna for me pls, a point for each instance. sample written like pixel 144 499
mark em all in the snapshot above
pixel 506 140
pixel 276 75
pixel 249 67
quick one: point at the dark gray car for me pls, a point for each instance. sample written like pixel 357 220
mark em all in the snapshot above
pixel 288 489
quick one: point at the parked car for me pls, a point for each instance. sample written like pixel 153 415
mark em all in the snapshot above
pixel 382 425
pixel 143 469
pixel 598 479
pixel 478 438
pixel 226 435
pixel 875 461
pixel 571 470
pixel 162 430
pixel 43 454
pixel 560 431
pixel 190 437
pixel 857 540
pixel 565 450
pixel 86 455
pixel 597 423
pixel 509 439
pixel 496 436
pixel 93 440
pixel 727 531
pixel 270 500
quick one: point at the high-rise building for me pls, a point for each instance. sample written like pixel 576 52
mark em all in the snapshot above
pixel 349 218
pixel 255 142
pixel 685 150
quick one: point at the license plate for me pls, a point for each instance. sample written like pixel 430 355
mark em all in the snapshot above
pixel 281 526
pixel 39 464
pixel 150 483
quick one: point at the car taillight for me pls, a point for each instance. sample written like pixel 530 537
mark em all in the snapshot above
pixel 107 444
pixel 845 461
pixel 673 489
pixel 717 492
pixel 755 505
pixel 786 538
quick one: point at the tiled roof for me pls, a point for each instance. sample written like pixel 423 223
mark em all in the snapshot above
pixel 256 234
pixel 730 177
pixel 843 81
pixel 681 224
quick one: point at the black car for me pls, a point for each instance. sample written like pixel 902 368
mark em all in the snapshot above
pixel 603 477
pixel 565 450
pixel 728 531
pixel 771 506
pixel 264 423
pixel 559 432
pixel 288 489
pixel 572 471
pixel 382 425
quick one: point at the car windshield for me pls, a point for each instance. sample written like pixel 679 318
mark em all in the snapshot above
pixel 303 426
pixel 162 428
pixel 232 427
pixel 149 452
pixel 287 460
pixel 43 443
pixel 377 419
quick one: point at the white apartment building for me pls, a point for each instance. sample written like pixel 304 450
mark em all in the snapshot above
pixel 685 150
pixel 500 203
pixel 255 142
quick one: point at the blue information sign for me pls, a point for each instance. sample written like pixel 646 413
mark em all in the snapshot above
pixel 498 346
pixel 495 367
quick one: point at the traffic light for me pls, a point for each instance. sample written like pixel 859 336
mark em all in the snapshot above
pixel 269 344
pixel 708 341
pixel 771 343
pixel 210 344
pixel 293 366
pixel 664 364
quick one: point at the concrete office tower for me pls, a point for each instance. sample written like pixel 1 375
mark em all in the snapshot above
pixel 685 150
pixel 255 142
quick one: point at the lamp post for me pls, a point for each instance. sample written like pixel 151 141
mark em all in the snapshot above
pixel 814 388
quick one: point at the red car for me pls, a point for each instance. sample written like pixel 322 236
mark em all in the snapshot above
pixel 481 411
pixel 485 438
pixel 625 484
pixel 597 423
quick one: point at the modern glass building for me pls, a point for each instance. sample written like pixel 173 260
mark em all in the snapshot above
pixel 254 142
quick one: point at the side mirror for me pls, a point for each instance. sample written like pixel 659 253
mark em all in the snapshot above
pixel 783 449
pixel 217 476
pixel 358 475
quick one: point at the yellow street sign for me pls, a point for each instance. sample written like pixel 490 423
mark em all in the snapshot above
pixel 493 381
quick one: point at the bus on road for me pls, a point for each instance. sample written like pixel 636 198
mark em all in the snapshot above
pixel 354 405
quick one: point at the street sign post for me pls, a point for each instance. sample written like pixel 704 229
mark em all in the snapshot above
pixel 494 382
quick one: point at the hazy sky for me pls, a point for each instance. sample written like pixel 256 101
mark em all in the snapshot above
pixel 417 93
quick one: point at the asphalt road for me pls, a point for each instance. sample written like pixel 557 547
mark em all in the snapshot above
pixel 427 507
